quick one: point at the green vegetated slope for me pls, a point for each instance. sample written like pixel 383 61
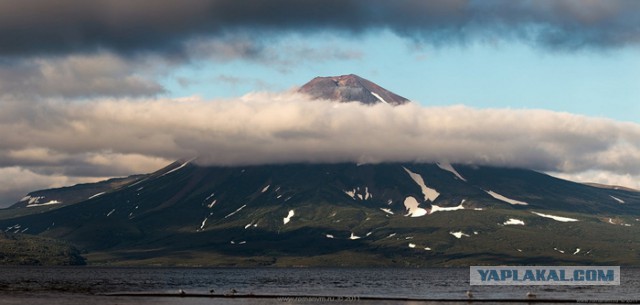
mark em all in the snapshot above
pixel 24 249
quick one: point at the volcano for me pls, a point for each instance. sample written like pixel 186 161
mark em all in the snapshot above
pixel 350 88
pixel 338 214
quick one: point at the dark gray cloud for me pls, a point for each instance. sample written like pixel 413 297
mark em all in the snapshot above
pixel 62 26
pixel 279 54
pixel 90 75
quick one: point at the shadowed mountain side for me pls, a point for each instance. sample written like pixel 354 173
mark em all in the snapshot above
pixel 318 214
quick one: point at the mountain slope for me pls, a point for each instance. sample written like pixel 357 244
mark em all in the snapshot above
pixel 72 194
pixel 347 88
pixel 387 214
pixel 24 249
pixel 335 214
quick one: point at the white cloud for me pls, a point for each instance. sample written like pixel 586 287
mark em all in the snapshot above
pixel 16 182
pixel 129 136
pixel 602 177
pixel 81 76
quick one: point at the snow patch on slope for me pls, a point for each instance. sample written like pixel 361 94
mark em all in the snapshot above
pixel 459 234
pixel 448 167
pixel 204 222
pixel 379 97
pixel 617 221
pixel 288 218
pixel 429 193
pixel 208 197
pixel 617 199
pixel 179 167
pixel 513 221
pixel 210 205
pixel 505 199
pixel 31 200
pixel 351 194
pixel 411 204
pixel 96 195
pixel 357 193
pixel 388 211
pixel 436 208
pixel 51 202
pixel 236 211
pixel 556 218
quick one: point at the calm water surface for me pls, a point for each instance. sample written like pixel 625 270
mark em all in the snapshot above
pixel 82 285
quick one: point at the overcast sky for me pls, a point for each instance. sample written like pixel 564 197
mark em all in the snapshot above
pixel 95 89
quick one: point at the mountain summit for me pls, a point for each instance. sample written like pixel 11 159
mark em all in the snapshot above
pixel 348 88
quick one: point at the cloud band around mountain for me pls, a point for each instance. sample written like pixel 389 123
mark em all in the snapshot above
pixel 274 128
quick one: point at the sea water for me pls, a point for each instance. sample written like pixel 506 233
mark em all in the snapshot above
pixel 110 285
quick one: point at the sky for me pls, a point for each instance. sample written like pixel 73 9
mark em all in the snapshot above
pixel 97 89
